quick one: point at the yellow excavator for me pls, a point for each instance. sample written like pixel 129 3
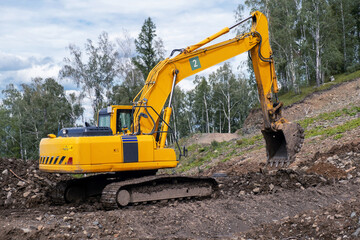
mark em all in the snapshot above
pixel 129 144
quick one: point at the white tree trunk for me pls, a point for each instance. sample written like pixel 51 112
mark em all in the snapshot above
pixel 21 144
pixel 190 128
pixel 344 33
pixel 207 115
pixel 229 109
pixel 317 47
pixel 292 70
pixel 220 122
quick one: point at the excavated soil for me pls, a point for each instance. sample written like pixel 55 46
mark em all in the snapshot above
pixel 23 185
pixel 335 98
pixel 208 138
pixel 309 201
pixel 317 197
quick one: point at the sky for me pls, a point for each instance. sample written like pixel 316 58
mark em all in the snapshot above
pixel 34 35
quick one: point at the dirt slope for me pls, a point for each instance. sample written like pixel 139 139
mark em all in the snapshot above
pixel 207 138
pixel 316 198
pixel 333 99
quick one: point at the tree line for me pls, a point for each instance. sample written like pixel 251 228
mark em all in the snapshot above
pixel 218 103
pixel 311 41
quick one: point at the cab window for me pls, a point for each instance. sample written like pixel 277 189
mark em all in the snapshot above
pixel 104 120
pixel 124 119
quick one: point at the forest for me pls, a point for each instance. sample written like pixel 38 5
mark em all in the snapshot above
pixel 311 41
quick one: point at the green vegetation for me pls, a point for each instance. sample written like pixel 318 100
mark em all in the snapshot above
pixel 78 175
pixel 331 131
pixel 203 154
pixel 198 154
pixel 26 116
pixel 335 131
pixel 338 136
pixel 291 97
pixel 245 142
pixel 325 32
pixel 352 111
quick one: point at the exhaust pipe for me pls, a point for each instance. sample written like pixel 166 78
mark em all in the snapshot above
pixel 283 144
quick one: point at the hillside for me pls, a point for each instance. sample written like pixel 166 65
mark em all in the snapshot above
pixel 329 117
pixel 316 197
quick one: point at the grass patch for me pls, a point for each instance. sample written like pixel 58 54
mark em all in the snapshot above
pixel 290 97
pixel 331 131
pixel 225 159
pixel 338 136
pixel 352 111
pixel 77 175
pixel 245 142
pixel 200 155
pixel 197 162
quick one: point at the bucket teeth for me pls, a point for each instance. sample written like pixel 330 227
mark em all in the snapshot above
pixel 278 163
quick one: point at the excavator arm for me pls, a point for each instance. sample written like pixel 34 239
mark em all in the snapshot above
pixel 283 139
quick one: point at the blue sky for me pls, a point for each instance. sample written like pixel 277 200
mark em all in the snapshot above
pixel 34 34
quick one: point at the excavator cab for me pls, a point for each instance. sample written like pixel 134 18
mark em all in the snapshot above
pixel 117 117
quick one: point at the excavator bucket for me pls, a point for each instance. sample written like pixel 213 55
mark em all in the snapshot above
pixel 283 144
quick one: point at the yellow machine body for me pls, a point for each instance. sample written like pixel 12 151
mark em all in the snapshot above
pixel 116 153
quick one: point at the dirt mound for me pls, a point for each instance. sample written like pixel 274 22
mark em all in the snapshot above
pixel 339 221
pixel 23 185
pixel 253 122
pixel 271 182
pixel 342 161
pixel 207 138
pixel 344 151
pixel 328 170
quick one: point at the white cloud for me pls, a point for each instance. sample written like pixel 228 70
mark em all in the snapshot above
pixel 10 62
pixel 29 72
pixel 35 34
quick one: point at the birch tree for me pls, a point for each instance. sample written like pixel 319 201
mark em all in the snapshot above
pixel 225 94
pixel 40 108
pixel 95 72
pixel 201 104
